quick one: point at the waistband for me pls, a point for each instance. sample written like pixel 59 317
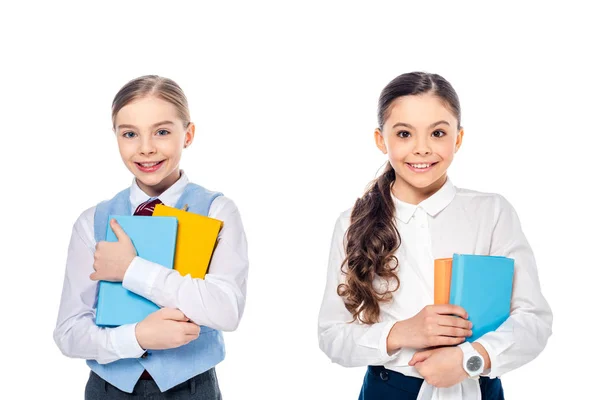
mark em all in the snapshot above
pixel 404 382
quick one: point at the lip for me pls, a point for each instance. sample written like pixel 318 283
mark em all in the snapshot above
pixel 150 169
pixel 421 170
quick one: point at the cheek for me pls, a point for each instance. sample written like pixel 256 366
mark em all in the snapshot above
pixel 445 151
pixel 172 149
pixel 397 151
pixel 126 149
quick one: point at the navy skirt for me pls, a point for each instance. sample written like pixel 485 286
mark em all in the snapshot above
pixel 381 384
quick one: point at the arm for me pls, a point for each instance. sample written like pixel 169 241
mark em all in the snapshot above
pixel 76 333
pixel 218 300
pixel 348 344
pixel 523 336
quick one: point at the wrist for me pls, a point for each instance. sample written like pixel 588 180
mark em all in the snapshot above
pixel 472 361
pixel 139 336
pixel 394 338
pixel 483 352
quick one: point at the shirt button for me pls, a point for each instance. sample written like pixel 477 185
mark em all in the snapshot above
pixel 383 375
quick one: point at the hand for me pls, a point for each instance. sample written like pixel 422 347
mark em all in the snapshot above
pixel 166 328
pixel 112 259
pixel 440 367
pixel 434 325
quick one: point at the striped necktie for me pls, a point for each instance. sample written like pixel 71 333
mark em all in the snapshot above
pixel 147 207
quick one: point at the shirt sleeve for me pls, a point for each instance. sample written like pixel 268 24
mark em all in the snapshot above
pixel 217 301
pixel 76 333
pixel 350 344
pixel 524 335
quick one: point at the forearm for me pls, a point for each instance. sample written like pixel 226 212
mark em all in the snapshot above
pixel 515 343
pixel 216 302
pixel 79 337
pixel 355 345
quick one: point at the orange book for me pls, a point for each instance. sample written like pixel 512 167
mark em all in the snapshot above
pixel 196 240
pixel 442 277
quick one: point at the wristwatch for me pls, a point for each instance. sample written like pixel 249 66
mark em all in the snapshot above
pixel 472 360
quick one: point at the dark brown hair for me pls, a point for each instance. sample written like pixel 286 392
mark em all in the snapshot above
pixel 372 238
pixel 152 85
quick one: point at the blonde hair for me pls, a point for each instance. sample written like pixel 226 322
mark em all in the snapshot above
pixel 152 85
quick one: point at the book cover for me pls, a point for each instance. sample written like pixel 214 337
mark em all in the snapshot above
pixel 154 240
pixel 482 285
pixel 442 276
pixel 196 240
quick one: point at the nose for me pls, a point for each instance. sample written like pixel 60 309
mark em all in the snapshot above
pixel 147 145
pixel 422 146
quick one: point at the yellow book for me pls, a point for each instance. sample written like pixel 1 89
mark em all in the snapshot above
pixel 196 240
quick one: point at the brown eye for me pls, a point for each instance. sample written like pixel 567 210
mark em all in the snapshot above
pixel 438 133
pixel 403 134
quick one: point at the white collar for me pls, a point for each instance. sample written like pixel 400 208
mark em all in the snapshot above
pixel 169 197
pixel 432 205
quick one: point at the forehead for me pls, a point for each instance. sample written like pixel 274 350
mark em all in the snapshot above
pixel 146 111
pixel 419 111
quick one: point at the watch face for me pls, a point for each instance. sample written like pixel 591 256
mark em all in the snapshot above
pixel 474 363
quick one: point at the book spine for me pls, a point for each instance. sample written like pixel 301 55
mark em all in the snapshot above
pixel 458 276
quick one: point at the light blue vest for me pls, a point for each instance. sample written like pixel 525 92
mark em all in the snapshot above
pixel 167 367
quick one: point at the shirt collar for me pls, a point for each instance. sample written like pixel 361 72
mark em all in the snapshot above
pixel 169 197
pixel 432 205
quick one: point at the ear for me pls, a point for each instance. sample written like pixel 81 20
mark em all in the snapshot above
pixel 189 135
pixel 459 139
pixel 379 141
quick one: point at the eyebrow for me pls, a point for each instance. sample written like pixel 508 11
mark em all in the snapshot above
pixel 153 126
pixel 412 127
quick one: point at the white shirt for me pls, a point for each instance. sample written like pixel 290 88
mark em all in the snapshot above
pixel 452 220
pixel 217 301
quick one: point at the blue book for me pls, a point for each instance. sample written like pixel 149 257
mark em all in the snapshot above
pixel 482 285
pixel 154 239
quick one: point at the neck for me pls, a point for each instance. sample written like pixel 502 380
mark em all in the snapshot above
pixel 410 194
pixel 157 190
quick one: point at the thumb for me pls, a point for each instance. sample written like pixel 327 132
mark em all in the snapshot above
pixel 119 232
pixel 419 357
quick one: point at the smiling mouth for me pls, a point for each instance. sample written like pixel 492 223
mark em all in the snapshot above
pixel 421 166
pixel 149 166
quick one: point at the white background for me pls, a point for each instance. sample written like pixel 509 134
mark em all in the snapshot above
pixel 284 97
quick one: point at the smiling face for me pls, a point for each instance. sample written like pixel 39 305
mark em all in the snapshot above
pixel 151 137
pixel 420 137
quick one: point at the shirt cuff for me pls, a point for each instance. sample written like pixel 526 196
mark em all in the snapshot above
pixel 385 332
pixel 376 338
pixel 140 276
pixel 124 341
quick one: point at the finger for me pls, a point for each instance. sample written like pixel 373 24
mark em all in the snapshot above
pixel 453 332
pixel 447 341
pixel 454 322
pixel 419 357
pixel 451 309
pixel 173 314
pixel 94 276
pixel 191 329
pixel 119 232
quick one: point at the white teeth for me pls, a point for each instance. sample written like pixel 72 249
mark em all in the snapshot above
pixel 148 165
pixel 420 165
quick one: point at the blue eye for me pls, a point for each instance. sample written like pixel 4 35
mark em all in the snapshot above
pixel 128 134
pixel 438 133
pixel 163 132
pixel 403 134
